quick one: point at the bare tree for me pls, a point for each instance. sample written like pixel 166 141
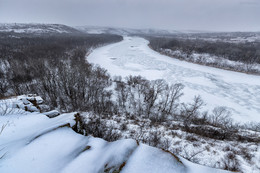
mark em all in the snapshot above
pixel 190 112
pixel 220 117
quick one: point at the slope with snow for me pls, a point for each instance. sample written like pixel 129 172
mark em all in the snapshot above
pixel 237 91
pixel 35 28
pixel 124 31
pixel 32 142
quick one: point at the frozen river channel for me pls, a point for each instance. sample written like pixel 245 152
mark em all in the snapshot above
pixel 239 92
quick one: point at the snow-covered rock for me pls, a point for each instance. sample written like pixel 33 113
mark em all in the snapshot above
pixel 32 142
pixel 21 105
pixel 52 114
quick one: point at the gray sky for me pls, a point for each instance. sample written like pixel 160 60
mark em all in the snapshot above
pixel 207 15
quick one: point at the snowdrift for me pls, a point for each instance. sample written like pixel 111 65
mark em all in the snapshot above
pixel 32 142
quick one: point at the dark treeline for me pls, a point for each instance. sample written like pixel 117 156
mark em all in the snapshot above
pixel 246 52
pixel 50 46
pixel 52 66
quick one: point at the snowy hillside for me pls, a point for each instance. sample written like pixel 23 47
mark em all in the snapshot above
pixel 36 28
pixel 235 91
pixel 32 142
pixel 123 31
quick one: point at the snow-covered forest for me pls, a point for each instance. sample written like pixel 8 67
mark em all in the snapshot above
pixel 236 51
pixel 119 88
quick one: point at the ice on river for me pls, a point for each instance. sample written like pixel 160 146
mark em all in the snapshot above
pixel 239 92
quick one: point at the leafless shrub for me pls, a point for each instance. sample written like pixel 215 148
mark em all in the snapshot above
pixel 123 127
pixel 254 126
pixel 154 139
pixel 230 162
pixel 191 111
pixel 191 138
pixel 221 117
pixel 245 153
pixel 97 128
pixel 7 108
pixel 192 156
pixel 166 143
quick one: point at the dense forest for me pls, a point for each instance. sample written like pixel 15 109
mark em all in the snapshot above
pixel 32 63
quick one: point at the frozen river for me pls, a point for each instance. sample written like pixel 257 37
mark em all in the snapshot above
pixel 239 92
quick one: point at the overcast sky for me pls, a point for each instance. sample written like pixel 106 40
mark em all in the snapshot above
pixel 206 15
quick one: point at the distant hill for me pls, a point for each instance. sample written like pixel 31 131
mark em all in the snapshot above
pixel 37 28
pixel 124 31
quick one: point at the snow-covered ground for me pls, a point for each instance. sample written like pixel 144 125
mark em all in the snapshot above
pixel 236 155
pixel 35 28
pixel 31 142
pixel 239 92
